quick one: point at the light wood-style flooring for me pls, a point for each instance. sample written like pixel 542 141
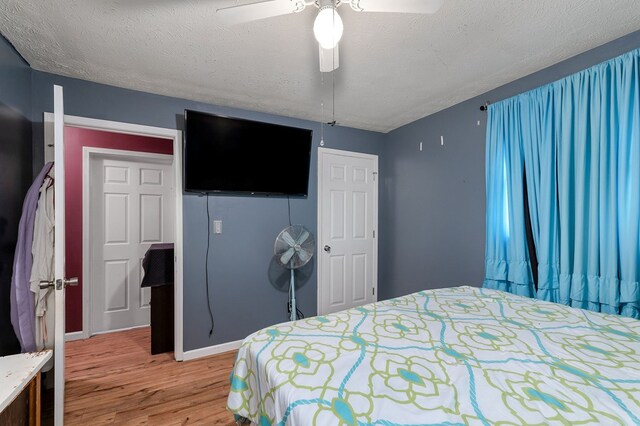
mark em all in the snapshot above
pixel 114 379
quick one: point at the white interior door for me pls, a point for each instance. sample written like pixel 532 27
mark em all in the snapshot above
pixel 348 221
pixel 59 255
pixel 131 208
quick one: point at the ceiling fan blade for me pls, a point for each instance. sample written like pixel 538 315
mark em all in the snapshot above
pixel 397 6
pixel 259 10
pixel 329 59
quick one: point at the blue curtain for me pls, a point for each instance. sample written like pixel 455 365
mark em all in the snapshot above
pixel 507 265
pixel 539 146
pixel 580 143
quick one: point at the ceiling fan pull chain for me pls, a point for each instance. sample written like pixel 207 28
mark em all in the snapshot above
pixel 322 110
pixel 333 97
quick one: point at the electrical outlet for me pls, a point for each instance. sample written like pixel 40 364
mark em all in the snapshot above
pixel 217 227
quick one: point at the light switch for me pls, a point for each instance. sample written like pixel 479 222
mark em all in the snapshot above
pixel 217 227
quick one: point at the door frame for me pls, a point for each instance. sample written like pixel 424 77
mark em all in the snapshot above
pixel 158 132
pixel 319 242
pixel 89 153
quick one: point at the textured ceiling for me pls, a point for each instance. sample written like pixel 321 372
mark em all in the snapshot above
pixel 394 68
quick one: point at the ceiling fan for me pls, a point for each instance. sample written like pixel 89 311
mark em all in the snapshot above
pixel 328 26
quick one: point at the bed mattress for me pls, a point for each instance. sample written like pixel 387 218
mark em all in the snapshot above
pixel 461 355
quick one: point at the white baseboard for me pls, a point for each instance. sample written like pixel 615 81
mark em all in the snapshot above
pixel 97 333
pixel 78 335
pixel 75 335
pixel 211 350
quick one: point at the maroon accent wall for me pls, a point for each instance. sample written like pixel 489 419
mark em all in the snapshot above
pixel 75 139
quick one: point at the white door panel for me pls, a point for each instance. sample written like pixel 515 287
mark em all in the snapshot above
pixel 59 255
pixel 131 208
pixel 347 208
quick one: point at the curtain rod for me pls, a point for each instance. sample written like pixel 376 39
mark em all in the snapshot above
pixel 485 106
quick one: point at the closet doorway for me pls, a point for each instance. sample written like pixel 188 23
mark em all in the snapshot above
pixel 127 200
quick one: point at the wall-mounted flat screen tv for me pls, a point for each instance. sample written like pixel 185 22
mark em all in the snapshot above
pixel 237 156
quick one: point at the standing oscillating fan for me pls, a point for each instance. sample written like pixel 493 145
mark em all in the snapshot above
pixel 294 247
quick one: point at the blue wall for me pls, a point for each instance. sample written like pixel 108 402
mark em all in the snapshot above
pixel 434 214
pixel 432 203
pixel 15 172
pixel 248 291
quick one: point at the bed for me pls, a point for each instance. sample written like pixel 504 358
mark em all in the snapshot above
pixel 461 355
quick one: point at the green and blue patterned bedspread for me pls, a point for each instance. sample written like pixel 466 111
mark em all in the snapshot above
pixel 452 356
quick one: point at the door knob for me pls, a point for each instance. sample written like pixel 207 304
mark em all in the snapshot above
pixel 327 249
pixel 46 284
pixel 65 282
pixel 71 281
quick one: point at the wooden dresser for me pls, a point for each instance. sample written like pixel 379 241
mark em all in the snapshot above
pixel 20 388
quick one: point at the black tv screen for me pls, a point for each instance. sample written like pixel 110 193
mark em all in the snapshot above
pixel 232 155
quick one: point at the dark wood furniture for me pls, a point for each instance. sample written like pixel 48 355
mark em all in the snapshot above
pixel 158 264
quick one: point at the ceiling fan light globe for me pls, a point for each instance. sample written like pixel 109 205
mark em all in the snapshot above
pixel 328 27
